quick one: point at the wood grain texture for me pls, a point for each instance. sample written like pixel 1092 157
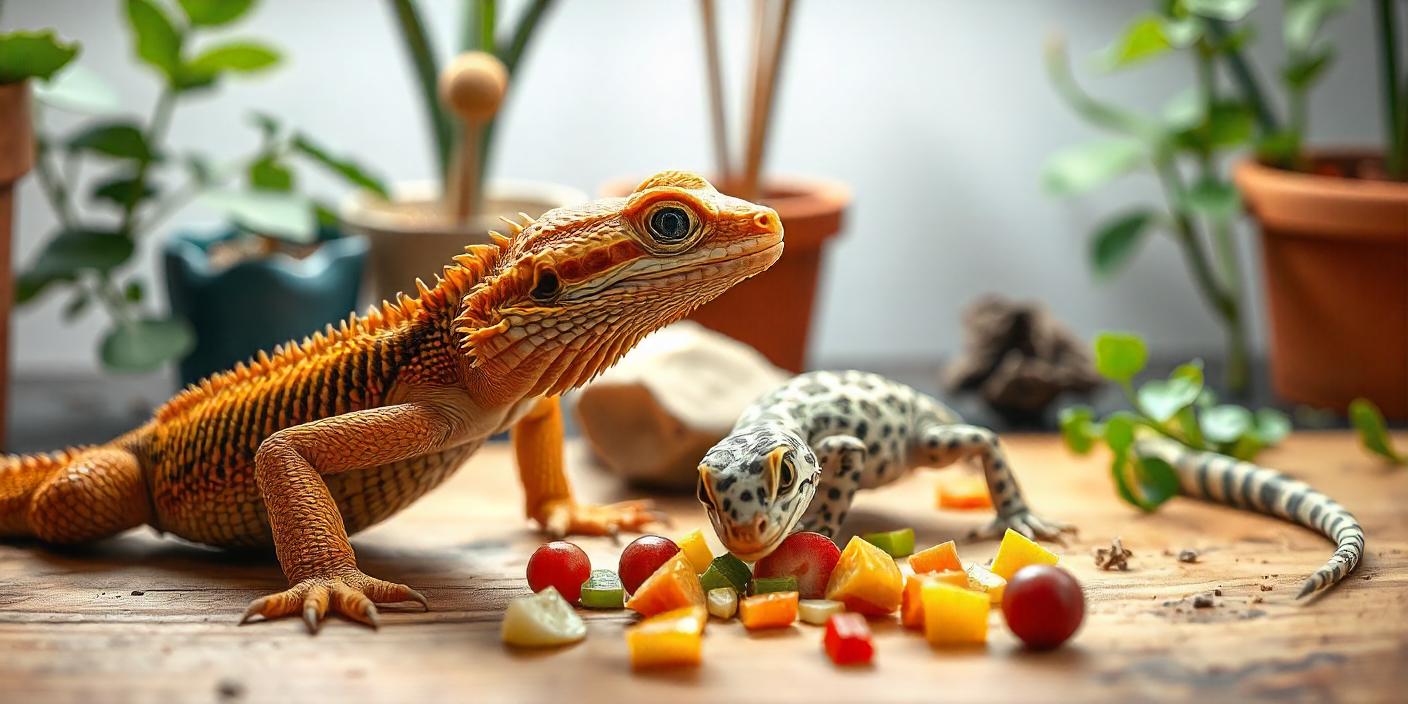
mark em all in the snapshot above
pixel 140 618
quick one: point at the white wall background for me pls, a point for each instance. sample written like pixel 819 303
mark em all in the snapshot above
pixel 937 113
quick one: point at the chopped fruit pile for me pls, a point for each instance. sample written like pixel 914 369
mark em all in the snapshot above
pixel 817 611
pixel 847 640
pixel 809 557
pixel 694 547
pixel 560 565
pixel 722 602
pixel 673 586
pixel 897 543
pixel 767 585
pixel 964 492
pixel 642 557
pixel 542 620
pixel 671 639
pixel 1044 605
pixel 1017 551
pixel 772 610
pixel 954 615
pixel 726 571
pixel 866 580
pixel 603 591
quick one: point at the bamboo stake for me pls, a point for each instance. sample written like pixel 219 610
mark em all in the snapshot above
pixel 716 91
pixel 767 63
pixel 473 88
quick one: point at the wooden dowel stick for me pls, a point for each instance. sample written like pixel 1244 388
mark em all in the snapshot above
pixel 472 87
pixel 768 58
pixel 716 91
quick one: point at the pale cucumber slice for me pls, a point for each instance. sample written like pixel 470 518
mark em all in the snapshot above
pixel 541 620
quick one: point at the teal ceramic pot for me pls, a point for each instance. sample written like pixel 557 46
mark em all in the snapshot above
pixel 257 303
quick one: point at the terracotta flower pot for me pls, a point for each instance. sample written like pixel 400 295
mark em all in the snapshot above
pixel 16 158
pixel 1335 255
pixel 772 312
pixel 409 235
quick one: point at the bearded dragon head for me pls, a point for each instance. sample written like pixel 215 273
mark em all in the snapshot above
pixel 573 291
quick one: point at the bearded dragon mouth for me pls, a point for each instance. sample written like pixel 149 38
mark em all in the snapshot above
pixel 749 263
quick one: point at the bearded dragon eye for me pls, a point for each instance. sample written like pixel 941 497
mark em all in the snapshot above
pixel 670 224
pixel 545 286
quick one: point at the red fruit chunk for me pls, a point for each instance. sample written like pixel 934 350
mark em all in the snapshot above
pixel 560 565
pixel 642 557
pixel 847 639
pixel 810 557
pixel 1043 605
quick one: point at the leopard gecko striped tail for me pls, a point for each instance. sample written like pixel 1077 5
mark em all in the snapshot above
pixel 1225 480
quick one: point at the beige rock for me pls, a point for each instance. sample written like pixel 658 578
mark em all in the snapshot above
pixel 652 417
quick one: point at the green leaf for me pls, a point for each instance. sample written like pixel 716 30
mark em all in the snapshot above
pixel 1162 399
pixel 1182 33
pixel 1303 19
pixel 1225 10
pixel 355 173
pixel 284 215
pixel 1184 111
pixel 200 169
pixel 267 174
pixel 122 140
pixel 1119 356
pixel 133 291
pixel 239 57
pixel 1118 239
pixel 1280 147
pixel 1119 430
pixel 25 55
pixel 1077 429
pixel 1141 41
pixel 157 40
pixel 1155 482
pixel 122 191
pixel 1120 473
pixel 1212 197
pixel 1270 426
pixel 1225 423
pixel 213 13
pixel 1230 124
pixel 325 215
pixel 1083 167
pixel 1305 69
pixel 78 89
pixel 1373 432
pixel 73 251
pixel 144 345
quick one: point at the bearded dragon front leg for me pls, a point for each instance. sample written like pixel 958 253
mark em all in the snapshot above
pixel 309 536
pixel 538 447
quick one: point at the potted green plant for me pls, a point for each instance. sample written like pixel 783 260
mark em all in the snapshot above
pixel 144 181
pixel 413 232
pixel 1334 223
pixel 773 311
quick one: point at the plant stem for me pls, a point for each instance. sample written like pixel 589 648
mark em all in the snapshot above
pixel 1396 157
pixel 51 186
pixel 511 54
pixel 161 118
pixel 488 12
pixel 1244 78
pixel 427 71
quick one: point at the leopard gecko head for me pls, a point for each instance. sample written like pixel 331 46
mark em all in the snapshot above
pixel 756 485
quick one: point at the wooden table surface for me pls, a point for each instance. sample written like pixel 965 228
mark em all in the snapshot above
pixel 140 618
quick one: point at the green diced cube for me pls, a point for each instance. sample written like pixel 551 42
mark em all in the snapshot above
pixel 603 590
pixel 732 570
pixel 766 585
pixel 898 543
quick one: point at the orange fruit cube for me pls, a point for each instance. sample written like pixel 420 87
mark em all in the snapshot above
pixel 866 580
pixel 674 585
pixel 694 546
pixel 964 492
pixel 1017 551
pixel 770 610
pixel 912 603
pixel 669 639
pixel 953 615
pixel 939 558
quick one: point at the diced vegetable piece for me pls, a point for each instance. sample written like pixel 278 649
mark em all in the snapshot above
pixel 810 557
pixel 1044 605
pixel 670 639
pixel 897 543
pixel 1017 551
pixel 912 604
pixel 939 558
pixel 817 611
pixel 964 492
pixel 772 610
pixel 982 579
pixel 767 585
pixel 722 602
pixel 698 551
pixel 866 580
pixel 673 586
pixel 541 620
pixel 603 591
pixel 954 616
pixel 642 558
pixel 847 640
pixel 561 565
pixel 727 571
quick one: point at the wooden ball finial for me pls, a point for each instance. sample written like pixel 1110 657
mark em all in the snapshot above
pixel 473 86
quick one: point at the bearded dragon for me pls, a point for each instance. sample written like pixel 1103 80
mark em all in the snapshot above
pixel 302 447
pixel 797 456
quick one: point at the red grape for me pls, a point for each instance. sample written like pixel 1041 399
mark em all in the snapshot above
pixel 642 557
pixel 1043 605
pixel 561 565
pixel 810 557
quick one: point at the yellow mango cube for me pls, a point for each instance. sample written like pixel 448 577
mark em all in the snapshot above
pixel 671 639
pixel 697 550
pixel 1017 551
pixel 953 615
pixel 866 580
pixel 912 603
pixel 982 579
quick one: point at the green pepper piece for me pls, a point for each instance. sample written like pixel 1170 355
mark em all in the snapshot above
pixel 603 590
pixel 766 585
pixel 732 570
pixel 898 543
